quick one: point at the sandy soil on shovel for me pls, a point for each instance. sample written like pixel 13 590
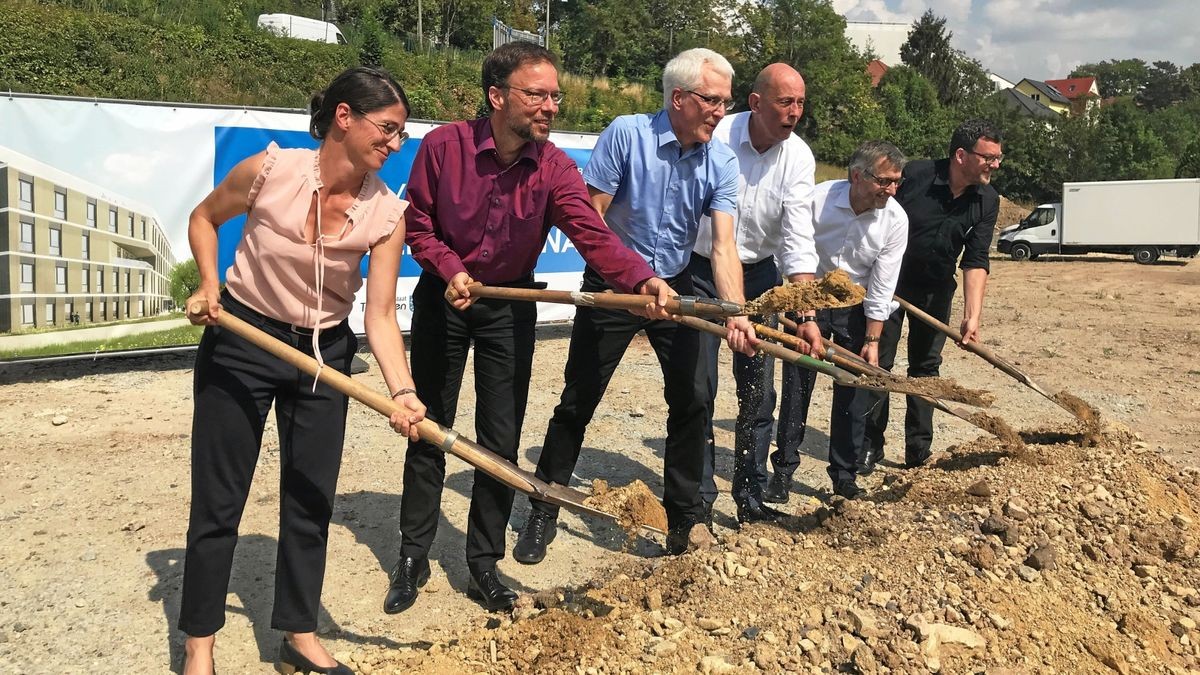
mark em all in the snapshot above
pixel 94 491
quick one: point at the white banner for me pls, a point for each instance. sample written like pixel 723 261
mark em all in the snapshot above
pixel 101 192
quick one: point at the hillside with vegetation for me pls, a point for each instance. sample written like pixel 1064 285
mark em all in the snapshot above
pixel 612 52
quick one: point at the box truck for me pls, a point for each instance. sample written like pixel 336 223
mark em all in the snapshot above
pixel 1145 218
pixel 301 27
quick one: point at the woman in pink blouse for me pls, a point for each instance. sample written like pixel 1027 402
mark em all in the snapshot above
pixel 311 217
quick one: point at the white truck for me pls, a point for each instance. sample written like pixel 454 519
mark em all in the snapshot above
pixel 302 27
pixel 1145 218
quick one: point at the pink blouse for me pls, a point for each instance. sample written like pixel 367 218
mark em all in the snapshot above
pixel 276 272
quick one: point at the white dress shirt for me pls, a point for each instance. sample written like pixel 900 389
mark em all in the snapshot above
pixel 868 246
pixel 774 200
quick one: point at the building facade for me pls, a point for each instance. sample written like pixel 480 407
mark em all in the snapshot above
pixel 72 252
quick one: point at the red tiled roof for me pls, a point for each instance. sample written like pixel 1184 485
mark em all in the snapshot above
pixel 1073 87
pixel 876 69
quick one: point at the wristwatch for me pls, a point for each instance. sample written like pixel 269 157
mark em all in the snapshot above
pixel 871 338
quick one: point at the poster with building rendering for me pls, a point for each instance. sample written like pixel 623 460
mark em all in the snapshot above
pixel 94 204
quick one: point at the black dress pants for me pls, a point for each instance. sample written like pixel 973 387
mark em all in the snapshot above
pixel 235 384
pixel 502 333
pixel 599 339
pixel 925 345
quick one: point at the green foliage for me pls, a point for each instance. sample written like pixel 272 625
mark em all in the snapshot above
pixel 919 125
pixel 185 279
pixel 956 77
pixel 1189 161
pixel 1124 77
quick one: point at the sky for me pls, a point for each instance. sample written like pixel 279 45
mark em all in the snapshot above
pixel 1046 39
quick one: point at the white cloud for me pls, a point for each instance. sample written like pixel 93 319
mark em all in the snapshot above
pixel 134 168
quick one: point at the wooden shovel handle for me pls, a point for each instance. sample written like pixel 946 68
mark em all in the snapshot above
pixel 974 347
pixel 782 353
pixel 688 306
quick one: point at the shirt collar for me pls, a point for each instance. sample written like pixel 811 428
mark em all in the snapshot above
pixel 941 177
pixel 841 198
pixel 661 125
pixel 485 142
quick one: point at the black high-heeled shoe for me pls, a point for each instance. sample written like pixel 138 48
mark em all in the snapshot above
pixel 292 661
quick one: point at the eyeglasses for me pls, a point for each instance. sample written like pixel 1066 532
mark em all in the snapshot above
pixel 539 97
pixel 714 102
pixel 388 129
pixel 884 183
pixel 988 159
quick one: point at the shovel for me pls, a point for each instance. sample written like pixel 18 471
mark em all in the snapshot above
pixel 686 305
pixel 987 355
pixel 447 440
pixel 839 375
pixel 847 359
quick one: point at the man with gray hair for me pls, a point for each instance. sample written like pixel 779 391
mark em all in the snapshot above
pixel 773 226
pixel 859 227
pixel 652 177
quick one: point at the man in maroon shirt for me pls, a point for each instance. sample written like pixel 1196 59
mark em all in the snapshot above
pixel 483 195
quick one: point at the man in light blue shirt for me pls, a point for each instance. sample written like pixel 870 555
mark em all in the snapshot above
pixel 652 177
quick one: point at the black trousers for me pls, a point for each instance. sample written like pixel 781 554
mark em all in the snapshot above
pixel 924 360
pixel 846 326
pixel 235 384
pixel 502 333
pixel 755 379
pixel 599 339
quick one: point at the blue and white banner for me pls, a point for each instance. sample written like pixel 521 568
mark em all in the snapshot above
pixel 156 161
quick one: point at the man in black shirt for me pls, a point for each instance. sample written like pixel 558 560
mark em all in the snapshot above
pixel 951 212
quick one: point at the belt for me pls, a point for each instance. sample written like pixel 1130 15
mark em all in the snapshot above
pixel 228 300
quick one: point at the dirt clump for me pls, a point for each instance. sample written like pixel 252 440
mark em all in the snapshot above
pixel 634 505
pixel 942 388
pixel 1088 416
pixel 998 428
pixel 835 289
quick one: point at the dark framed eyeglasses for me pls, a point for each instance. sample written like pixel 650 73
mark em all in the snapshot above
pixel 539 97
pixel 988 159
pixel 884 183
pixel 713 102
pixel 388 129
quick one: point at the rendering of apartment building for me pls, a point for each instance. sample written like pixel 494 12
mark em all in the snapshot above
pixel 72 252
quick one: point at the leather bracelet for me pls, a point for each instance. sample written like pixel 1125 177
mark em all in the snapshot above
pixel 402 391
pixel 805 319
pixel 871 338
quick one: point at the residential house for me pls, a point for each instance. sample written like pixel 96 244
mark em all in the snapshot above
pixel 1045 94
pixel 1082 92
pixel 1025 104
pixel 876 69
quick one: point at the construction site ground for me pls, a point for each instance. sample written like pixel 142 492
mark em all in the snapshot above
pixel 1063 558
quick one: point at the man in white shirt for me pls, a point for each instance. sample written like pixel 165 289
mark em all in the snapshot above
pixel 773 223
pixel 858 226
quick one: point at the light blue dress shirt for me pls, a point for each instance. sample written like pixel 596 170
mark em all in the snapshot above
pixel 660 193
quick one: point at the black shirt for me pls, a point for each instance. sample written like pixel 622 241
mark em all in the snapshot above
pixel 940 227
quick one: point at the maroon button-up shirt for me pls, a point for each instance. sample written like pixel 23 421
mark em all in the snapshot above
pixel 466 213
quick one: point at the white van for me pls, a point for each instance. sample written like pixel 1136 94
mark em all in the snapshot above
pixel 304 28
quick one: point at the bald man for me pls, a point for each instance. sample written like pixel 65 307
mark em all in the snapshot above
pixel 774 234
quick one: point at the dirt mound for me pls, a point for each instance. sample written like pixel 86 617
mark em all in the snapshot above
pixel 1011 213
pixel 835 289
pixel 1082 560
pixel 634 505
pixel 1086 412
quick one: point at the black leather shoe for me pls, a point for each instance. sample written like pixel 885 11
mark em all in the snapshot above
pixel 870 458
pixel 486 588
pixel 754 511
pixel 409 575
pixel 778 489
pixel 539 531
pixel 708 517
pixel 292 661
pixel 914 461
pixel 677 539
pixel 848 489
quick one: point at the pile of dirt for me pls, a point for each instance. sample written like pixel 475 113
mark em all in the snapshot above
pixel 942 388
pixel 1011 213
pixel 1087 414
pixel 1084 560
pixel 634 505
pixel 998 428
pixel 835 289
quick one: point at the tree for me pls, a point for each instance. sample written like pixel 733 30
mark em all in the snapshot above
pixel 1125 77
pixel 919 125
pixel 956 77
pixel 1189 161
pixel 185 279
pixel 1165 85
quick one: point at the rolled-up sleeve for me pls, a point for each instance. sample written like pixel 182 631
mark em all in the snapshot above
pixel 979 242
pixel 430 252
pixel 798 251
pixel 885 273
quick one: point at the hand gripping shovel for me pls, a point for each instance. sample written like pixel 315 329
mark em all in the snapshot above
pixel 448 440
pixel 687 305
pixel 848 360
pixel 840 375
pixel 991 357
